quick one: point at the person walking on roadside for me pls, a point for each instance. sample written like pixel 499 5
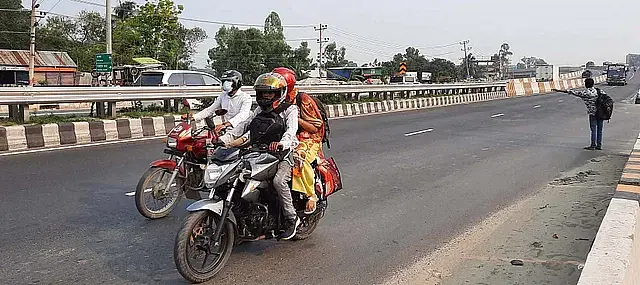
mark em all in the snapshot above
pixel 596 123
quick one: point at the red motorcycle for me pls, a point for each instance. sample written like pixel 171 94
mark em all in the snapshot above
pixel 161 187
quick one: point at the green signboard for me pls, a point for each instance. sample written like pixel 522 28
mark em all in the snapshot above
pixel 104 62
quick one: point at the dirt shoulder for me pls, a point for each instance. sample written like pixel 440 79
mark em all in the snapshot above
pixel 547 236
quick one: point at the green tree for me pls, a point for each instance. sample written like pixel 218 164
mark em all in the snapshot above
pixel 14 26
pixel 334 56
pixel 154 31
pixel 300 60
pixel 126 10
pixel 82 37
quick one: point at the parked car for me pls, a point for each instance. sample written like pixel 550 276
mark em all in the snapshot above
pixel 177 78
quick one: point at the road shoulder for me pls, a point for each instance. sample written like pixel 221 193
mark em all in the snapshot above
pixel 547 236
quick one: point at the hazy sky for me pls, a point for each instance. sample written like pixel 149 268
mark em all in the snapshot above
pixel 565 32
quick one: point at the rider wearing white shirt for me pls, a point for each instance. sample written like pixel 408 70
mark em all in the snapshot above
pixel 232 99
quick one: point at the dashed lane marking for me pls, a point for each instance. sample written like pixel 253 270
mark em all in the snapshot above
pixel 418 132
pixel 497 115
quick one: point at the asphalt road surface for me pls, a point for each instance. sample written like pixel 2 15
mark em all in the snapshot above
pixel 413 180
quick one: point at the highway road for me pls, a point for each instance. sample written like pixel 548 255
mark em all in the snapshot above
pixel 413 180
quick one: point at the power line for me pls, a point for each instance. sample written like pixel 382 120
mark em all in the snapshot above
pixel 388 44
pixel 13 10
pixel 209 21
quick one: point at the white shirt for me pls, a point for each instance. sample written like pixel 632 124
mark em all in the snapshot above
pixel 238 108
pixel 290 116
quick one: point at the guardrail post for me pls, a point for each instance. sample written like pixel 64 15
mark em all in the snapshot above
pixel 167 105
pixel 19 113
pixel 100 110
pixel 176 105
pixel 111 109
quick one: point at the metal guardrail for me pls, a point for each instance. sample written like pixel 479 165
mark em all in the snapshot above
pixel 48 95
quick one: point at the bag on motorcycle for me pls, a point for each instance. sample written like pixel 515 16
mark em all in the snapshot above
pixel 266 127
pixel 330 176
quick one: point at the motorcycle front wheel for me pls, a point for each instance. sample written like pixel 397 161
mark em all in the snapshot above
pixel 195 239
pixel 151 199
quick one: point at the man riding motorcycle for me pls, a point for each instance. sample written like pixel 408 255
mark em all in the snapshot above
pixel 310 136
pixel 275 123
pixel 232 99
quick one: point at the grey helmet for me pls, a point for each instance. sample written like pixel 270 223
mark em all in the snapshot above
pixel 234 77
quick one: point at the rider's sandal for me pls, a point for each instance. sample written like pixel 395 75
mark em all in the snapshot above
pixel 313 200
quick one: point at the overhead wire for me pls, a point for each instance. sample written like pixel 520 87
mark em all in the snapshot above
pixel 209 21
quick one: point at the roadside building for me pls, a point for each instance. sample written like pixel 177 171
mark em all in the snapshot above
pixel 51 68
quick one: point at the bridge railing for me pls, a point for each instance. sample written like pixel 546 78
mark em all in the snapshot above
pixel 19 98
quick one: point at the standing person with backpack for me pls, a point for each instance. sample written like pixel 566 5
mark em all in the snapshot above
pixel 312 132
pixel 599 107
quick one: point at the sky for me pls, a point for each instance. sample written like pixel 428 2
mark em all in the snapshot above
pixel 563 32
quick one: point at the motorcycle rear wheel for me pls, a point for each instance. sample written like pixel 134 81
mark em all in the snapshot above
pixel 147 187
pixel 308 225
pixel 193 228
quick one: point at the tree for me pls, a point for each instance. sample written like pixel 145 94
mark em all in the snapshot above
pixel 82 38
pixel 153 30
pixel 503 54
pixel 14 26
pixel 335 57
pixel 300 61
pixel 531 62
pixel 242 50
pixel 470 60
pixel 126 10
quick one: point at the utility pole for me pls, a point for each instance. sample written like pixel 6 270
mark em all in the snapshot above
pixel 466 60
pixel 32 44
pixel 108 20
pixel 320 41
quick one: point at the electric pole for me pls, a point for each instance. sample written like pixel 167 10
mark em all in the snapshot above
pixel 466 59
pixel 108 20
pixel 32 41
pixel 320 41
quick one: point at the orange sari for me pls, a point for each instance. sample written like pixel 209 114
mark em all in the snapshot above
pixel 309 148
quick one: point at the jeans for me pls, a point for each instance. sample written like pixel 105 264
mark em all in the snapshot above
pixel 596 126
pixel 281 184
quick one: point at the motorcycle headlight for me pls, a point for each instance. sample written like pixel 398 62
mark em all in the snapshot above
pixel 172 142
pixel 212 173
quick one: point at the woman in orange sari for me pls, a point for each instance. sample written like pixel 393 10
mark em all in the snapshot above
pixel 310 132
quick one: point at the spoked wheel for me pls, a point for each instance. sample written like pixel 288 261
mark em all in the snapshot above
pixel 309 223
pixel 152 200
pixel 195 256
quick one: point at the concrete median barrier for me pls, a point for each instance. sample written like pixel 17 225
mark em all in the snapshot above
pixel 529 86
pixel 19 138
pixel 614 257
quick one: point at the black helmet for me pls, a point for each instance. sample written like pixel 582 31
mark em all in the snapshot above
pixel 234 77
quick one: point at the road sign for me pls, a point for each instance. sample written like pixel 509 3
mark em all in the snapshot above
pixel 104 62
pixel 403 67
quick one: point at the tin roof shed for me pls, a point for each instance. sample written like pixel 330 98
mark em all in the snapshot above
pixel 43 58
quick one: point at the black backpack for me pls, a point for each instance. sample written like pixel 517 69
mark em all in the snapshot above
pixel 267 127
pixel 604 106
pixel 323 113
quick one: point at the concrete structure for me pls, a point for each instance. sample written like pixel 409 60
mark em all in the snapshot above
pixel 615 255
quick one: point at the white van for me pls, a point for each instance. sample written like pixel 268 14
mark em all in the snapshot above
pixel 177 78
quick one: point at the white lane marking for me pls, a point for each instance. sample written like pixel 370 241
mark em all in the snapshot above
pixel 536 106
pixel 131 193
pixel 418 132
pixel 78 146
pixel 560 101
pixel 632 75
pixel 497 115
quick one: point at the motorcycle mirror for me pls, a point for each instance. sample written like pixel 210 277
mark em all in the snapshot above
pixel 210 123
pixel 221 112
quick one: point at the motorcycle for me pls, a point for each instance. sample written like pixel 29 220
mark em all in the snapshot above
pixel 166 180
pixel 243 206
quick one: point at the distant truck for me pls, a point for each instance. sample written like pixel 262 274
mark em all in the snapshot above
pixel 547 73
pixel 616 74
pixel 404 79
